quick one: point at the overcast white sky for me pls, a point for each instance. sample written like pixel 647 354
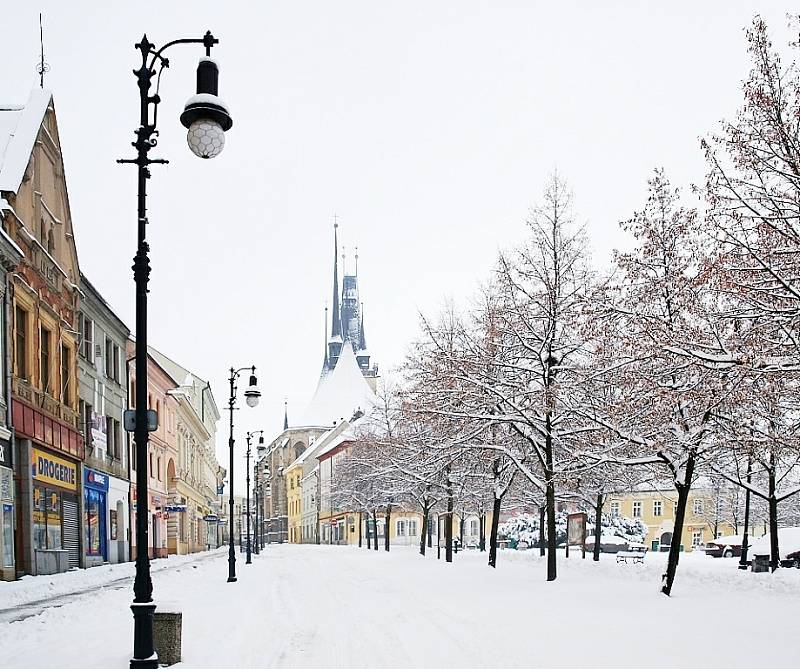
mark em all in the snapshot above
pixel 428 127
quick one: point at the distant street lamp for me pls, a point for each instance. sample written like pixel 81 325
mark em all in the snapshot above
pixel 252 394
pixel 249 436
pixel 207 119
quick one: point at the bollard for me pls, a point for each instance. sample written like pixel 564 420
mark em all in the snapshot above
pixel 167 625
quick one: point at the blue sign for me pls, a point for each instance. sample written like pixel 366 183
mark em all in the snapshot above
pixel 221 489
pixel 95 479
pixel 177 508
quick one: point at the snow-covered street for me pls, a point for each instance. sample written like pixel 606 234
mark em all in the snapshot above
pixel 319 606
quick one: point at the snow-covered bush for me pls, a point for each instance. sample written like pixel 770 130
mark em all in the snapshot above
pixel 525 527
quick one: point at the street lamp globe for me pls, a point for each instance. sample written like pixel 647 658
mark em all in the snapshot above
pixel 206 138
pixel 252 394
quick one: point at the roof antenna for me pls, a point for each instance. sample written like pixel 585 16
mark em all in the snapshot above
pixel 41 66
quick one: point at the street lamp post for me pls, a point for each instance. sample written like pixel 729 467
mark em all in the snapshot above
pixel 207 118
pixel 252 395
pixel 248 437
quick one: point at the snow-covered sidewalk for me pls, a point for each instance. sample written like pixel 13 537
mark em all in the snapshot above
pixel 330 607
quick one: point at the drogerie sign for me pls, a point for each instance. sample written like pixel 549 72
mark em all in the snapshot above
pixel 56 471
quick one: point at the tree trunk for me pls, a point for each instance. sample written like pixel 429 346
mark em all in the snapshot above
pixel 493 535
pixel 745 545
pixel 461 525
pixel 360 524
pixel 774 554
pixel 438 537
pixel 677 534
pixel 387 526
pixel 375 527
pixel 542 532
pixel 369 535
pixel 430 531
pixel 424 532
pixel 598 517
pixel 448 528
pixel 551 528
pixel 482 542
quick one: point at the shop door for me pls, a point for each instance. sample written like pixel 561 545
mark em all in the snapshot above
pixel 70 529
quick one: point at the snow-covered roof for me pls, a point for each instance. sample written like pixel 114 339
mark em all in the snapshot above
pixel 19 127
pixel 321 441
pixel 340 393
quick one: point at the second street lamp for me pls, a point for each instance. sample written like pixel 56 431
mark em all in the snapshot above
pixel 252 394
pixel 249 436
pixel 141 421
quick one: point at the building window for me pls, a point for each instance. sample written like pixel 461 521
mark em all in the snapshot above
pixel 674 509
pixel 614 508
pixel 473 527
pixel 657 507
pixel 698 507
pixel 697 538
pixel 44 358
pixel 21 341
pixel 87 331
pixel 637 509
pixel 66 381
pixel 412 528
pixel 401 528
pixel 158 466
pixel 151 465
pixel 110 443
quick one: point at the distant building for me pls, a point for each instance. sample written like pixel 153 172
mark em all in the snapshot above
pixel 346 388
pixel 103 397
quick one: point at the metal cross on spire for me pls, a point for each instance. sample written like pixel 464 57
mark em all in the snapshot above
pixel 41 66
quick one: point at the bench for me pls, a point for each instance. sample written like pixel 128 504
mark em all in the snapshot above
pixel 631 556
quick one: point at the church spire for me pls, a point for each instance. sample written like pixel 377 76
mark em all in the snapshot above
pixel 336 323
pixel 362 339
pixel 285 414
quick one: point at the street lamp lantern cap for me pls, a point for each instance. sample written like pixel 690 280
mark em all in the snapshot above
pixel 206 115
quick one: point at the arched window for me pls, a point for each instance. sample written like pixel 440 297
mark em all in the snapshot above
pixel 51 242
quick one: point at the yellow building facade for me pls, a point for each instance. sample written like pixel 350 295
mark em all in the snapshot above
pixel 656 509
pixel 294 501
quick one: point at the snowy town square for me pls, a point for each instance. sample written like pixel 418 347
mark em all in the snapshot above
pixel 425 334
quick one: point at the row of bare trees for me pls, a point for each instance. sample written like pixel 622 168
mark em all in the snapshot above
pixel 678 363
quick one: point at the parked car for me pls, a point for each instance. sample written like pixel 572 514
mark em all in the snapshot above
pixel 788 546
pixel 730 546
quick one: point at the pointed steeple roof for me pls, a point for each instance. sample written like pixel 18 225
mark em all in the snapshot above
pixel 285 414
pixel 336 323
pixel 362 338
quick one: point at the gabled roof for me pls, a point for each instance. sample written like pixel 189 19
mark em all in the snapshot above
pixel 19 127
pixel 340 393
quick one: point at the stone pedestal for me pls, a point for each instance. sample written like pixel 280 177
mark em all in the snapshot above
pixel 167 625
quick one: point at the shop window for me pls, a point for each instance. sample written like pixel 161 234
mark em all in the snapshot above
pixel 46 518
pixel 8 534
pixel 44 358
pixel 21 341
pixel 94 521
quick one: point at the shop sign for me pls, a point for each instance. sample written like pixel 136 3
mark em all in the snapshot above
pixel 211 518
pixel 56 471
pixel 95 479
pixel 5 453
pixel 176 508
pixel 98 431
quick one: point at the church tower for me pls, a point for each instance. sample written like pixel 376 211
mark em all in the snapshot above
pixel 347 320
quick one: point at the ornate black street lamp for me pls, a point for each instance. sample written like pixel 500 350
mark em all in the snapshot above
pixel 251 395
pixel 249 436
pixel 207 119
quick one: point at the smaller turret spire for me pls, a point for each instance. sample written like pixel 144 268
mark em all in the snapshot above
pixel 362 338
pixel 285 413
